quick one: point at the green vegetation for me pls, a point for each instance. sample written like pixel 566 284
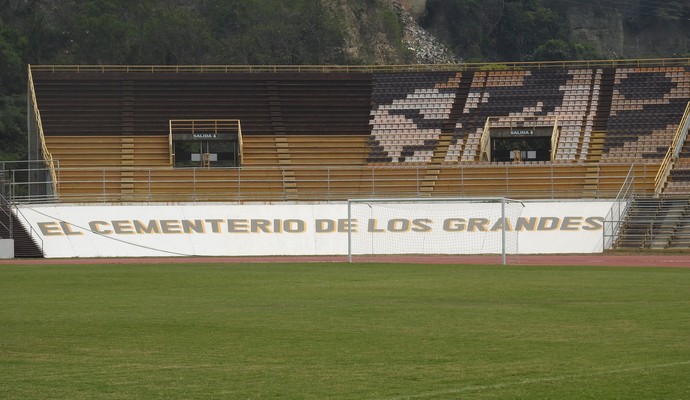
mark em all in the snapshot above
pixel 12 105
pixel 340 331
pixel 504 30
pixel 154 32
pixel 295 32
pixel 165 32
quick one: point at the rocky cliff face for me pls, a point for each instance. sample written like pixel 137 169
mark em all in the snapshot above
pixel 386 32
pixel 604 30
pixel 424 46
pixel 615 29
pixel 626 32
pixel 372 32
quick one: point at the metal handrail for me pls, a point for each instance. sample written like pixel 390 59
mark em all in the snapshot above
pixel 555 137
pixel 240 142
pixel 327 183
pixel 614 218
pixel 484 141
pixel 673 151
pixel 652 62
pixel 5 209
pixel 655 225
pixel 32 232
pixel 48 158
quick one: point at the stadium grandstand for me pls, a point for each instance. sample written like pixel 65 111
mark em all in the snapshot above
pixel 270 134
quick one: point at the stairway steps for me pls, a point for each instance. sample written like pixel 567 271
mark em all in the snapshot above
pixel 656 224
pixel 24 245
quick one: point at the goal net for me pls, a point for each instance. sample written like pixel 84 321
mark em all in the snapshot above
pixel 433 227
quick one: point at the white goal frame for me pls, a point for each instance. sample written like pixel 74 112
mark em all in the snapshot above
pixel 503 201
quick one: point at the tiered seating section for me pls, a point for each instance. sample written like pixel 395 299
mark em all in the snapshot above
pixel 566 94
pixel 109 131
pixel 646 107
pixel 90 103
pixel 402 133
pixel 679 179
pixel 408 111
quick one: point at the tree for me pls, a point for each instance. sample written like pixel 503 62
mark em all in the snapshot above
pixel 469 25
pixel 526 26
pixel 553 50
pixel 12 83
pixel 273 32
pixel 12 122
pixel 174 36
pixel 12 44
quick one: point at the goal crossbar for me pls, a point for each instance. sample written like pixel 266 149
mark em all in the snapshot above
pixel 410 216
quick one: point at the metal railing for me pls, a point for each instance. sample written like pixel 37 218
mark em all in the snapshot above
pixel 656 223
pixel 673 151
pixel 6 224
pixel 32 177
pixel 616 215
pixel 39 126
pixel 177 69
pixel 7 208
pixel 256 184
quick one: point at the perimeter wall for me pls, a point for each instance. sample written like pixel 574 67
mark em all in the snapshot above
pixel 308 229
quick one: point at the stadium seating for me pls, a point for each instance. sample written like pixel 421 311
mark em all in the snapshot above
pixel 117 103
pixel 679 179
pixel 408 111
pixel 337 135
pixel 646 108
pixel 110 151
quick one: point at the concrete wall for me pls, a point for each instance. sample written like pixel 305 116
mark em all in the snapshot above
pixel 314 229
pixel 6 248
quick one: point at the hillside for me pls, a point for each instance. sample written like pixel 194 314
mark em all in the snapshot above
pixel 532 30
pixel 320 32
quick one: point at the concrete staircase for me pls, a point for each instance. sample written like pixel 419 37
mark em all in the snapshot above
pixel 11 228
pixel 656 223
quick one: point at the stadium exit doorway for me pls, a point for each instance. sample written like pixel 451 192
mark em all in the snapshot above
pixel 521 149
pixel 510 139
pixel 205 153
pixel 205 143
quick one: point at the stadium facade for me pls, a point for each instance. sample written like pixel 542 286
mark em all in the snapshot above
pixel 116 151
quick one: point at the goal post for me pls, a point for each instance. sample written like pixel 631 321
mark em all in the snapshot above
pixel 433 226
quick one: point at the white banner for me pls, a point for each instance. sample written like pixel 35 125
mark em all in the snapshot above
pixel 279 229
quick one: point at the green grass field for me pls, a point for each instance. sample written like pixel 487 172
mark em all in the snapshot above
pixel 340 331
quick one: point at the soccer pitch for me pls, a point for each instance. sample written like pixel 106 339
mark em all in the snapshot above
pixel 343 331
